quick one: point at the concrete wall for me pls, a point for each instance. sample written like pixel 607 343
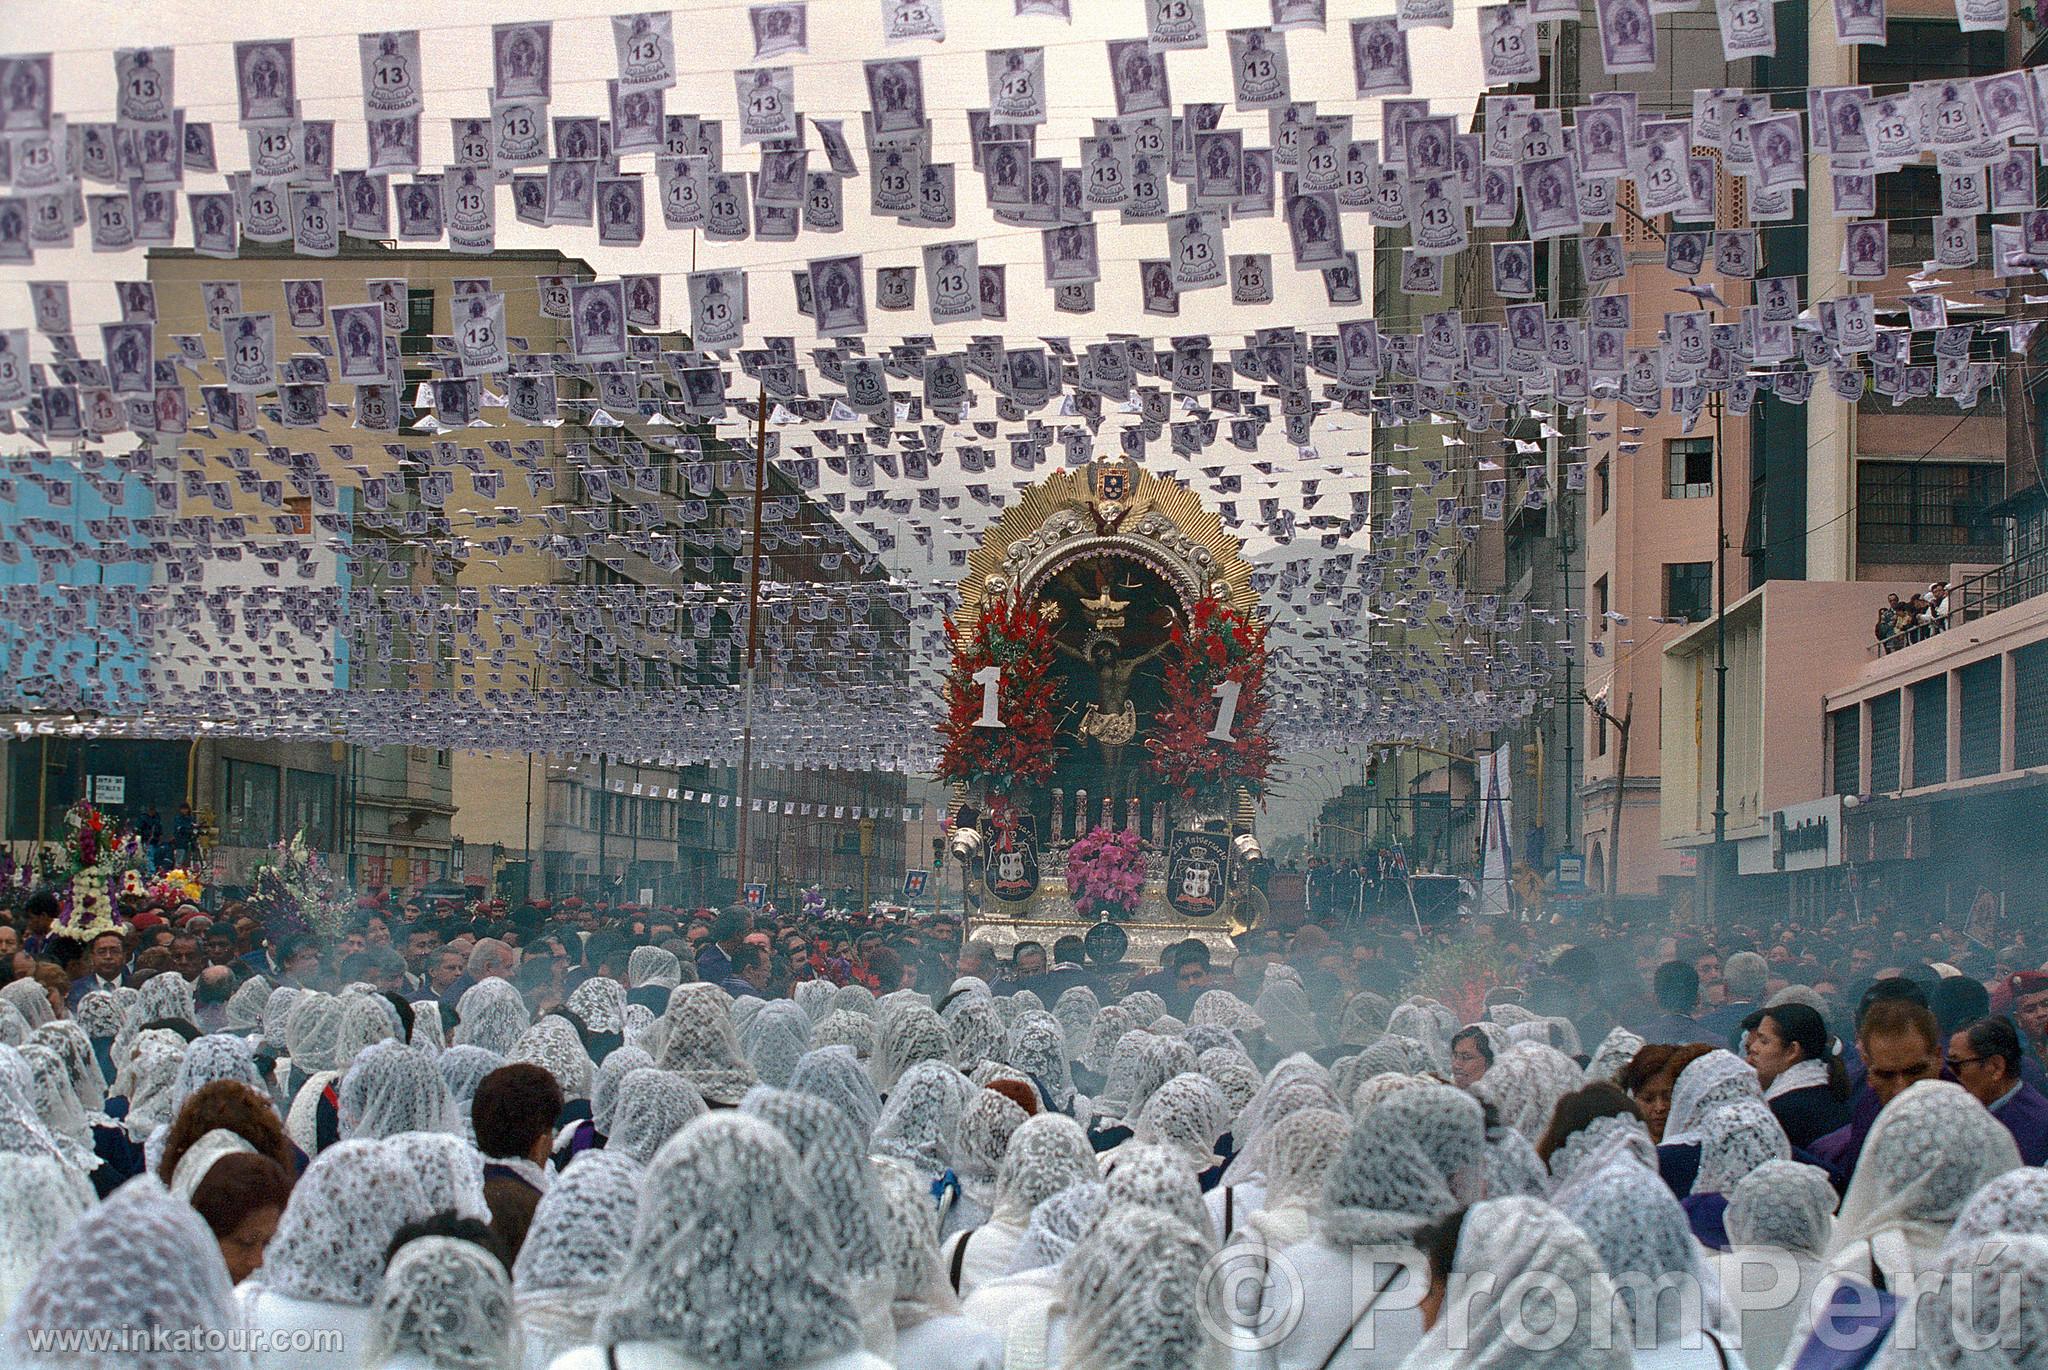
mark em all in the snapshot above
pixel 1788 644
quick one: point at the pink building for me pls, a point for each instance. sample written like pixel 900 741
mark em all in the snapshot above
pixel 1651 494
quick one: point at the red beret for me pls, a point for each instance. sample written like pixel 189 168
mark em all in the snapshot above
pixel 146 920
pixel 2028 982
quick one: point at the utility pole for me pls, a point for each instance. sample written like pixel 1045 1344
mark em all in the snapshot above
pixel 1720 668
pixel 604 818
pixel 1621 726
pixel 753 629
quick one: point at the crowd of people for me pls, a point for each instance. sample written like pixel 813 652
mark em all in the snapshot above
pixel 494 1138
pixel 1918 616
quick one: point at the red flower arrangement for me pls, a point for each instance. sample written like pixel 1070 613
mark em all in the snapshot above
pixel 1217 645
pixel 1015 636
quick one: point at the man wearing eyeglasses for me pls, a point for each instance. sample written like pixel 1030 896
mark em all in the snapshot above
pixel 1985 1056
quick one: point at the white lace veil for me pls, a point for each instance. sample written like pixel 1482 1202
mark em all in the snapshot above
pixel 836 1161
pixel 731 1262
pixel 1155 1177
pixel 1134 1296
pixel 986 1127
pixel 910 1241
pixel 601 1003
pixel 774 1040
pixel 342 1216
pixel 38 1205
pixel 1643 1238
pixel 1187 1113
pixel 580 1230
pixel 1930 1149
pixel 219 1056
pixel 2014 1204
pixel 490 1014
pixel 699 1044
pixel 922 1115
pixel 141 1259
pixel 462 1069
pixel 366 1018
pixel 1399 1164
pixel 1991 1313
pixel 1524 1084
pixel 390 1089
pixel 653 966
pixel 554 1046
pixel 1046 1154
pixel 653 1106
pixel 1786 1205
pixel 1058 1224
pixel 1522 1242
pixel 1717 1078
pixel 604 1092
pixel 835 1074
pixel 446 1304
pixel 904 1037
pixel 448 1170
pixel 1735 1139
pixel 245 1006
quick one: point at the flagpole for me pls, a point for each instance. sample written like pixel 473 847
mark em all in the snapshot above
pixel 753 633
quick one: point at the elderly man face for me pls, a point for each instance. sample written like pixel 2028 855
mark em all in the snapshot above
pixel 185 956
pixel 447 969
pixel 10 941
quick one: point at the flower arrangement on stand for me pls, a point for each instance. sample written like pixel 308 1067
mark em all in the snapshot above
pixel 1015 637
pixel 1106 872
pixel 174 887
pixel 1215 646
pixel 100 854
pixel 296 893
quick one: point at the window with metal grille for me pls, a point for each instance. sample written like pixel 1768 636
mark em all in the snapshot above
pixel 1930 731
pixel 1689 590
pixel 1981 686
pixel 1926 504
pixel 2030 706
pixel 419 323
pixel 1690 463
pixel 1884 743
pixel 1845 726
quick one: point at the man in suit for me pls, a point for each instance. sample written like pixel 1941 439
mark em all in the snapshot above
pixel 108 958
pixel 1985 1057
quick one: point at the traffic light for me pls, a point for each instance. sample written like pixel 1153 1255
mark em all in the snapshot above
pixel 1372 772
pixel 938 852
pixel 1532 759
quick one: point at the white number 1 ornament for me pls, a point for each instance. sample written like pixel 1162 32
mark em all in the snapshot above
pixel 990 678
pixel 1226 713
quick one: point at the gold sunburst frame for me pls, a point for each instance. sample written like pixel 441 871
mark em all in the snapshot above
pixel 1107 508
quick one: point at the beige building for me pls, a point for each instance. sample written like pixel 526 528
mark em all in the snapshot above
pixel 409 816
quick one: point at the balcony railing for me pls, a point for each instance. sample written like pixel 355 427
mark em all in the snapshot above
pixel 1968 600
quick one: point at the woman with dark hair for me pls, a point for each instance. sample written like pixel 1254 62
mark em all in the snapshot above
pixel 1578 1110
pixel 226 1106
pixel 1803 1079
pixel 1651 1076
pixel 1471 1056
pixel 241 1197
